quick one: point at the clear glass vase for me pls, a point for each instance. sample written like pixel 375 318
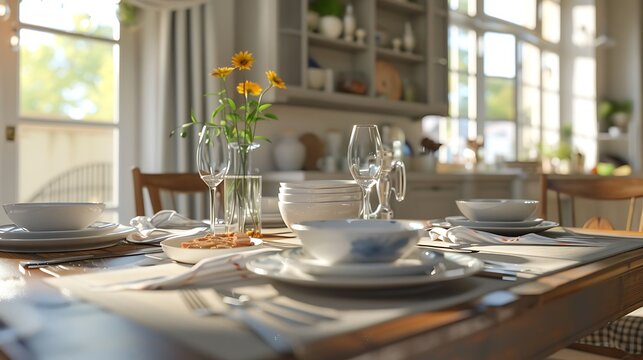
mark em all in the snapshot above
pixel 242 192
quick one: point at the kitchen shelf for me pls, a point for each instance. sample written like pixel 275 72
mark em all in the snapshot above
pixel 422 73
pixel 392 55
pixel 402 6
pixel 352 102
pixel 338 44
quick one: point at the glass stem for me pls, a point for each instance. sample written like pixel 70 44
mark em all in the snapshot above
pixel 213 209
pixel 366 204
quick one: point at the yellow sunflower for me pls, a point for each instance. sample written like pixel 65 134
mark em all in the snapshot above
pixel 242 60
pixel 222 71
pixel 275 80
pixel 249 87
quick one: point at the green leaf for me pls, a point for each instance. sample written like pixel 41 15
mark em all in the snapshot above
pixel 232 105
pixel 264 107
pixel 271 116
pixel 217 110
pixel 261 137
pixel 193 117
pixel 232 117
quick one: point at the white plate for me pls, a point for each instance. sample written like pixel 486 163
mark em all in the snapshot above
pixel 418 262
pixel 66 244
pixel 463 221
pixel 516 231
pixel 319 184
pixel 455 266
pixel 173 249
pixel 11 232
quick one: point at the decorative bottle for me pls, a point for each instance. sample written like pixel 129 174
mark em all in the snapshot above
pixel 349 23
pixel 409 38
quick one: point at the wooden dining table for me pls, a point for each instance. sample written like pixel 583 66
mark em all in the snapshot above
pixel 530 319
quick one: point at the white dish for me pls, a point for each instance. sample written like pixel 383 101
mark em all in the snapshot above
pixel 463 221
pixel 497 209
pixel 358 240
pixel 455 266
pixel 418 262
pixel 14 233
pixel 173 249
pixel 319 184
pixel 54 216
pixel 317 198
pixel 66 244
pixel 517 231
pixel 322 191
pixel 297 212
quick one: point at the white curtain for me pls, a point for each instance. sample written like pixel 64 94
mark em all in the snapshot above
pixel 177 50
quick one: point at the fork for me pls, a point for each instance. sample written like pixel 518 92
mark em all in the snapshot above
pixel 287 312
pixel 268 333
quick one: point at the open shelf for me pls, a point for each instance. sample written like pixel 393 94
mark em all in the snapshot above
pixel 400 56
pixel 337 44
pixel 403 6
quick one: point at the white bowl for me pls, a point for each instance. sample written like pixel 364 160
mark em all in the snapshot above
pixel 316 78
pixel 316 198
pixel 54 216
pixel 296 191
pixel 358 240
pixel 497 209
pixel 298 212
pixel 319 184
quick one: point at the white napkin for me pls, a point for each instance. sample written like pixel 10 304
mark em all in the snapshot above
pixel 466 236
pixel 216 269
pixel 163 225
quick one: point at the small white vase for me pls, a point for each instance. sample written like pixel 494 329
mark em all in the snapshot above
pixel 409 38
pixel 289 153
pixel 349 23
pixel 330 26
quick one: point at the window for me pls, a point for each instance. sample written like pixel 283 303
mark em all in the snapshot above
pixel 504 66
pixel 67 66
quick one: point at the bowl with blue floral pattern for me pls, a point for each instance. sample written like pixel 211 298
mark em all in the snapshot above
pixel 358 240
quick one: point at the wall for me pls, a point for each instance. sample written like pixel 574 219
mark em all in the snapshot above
pixel 319 121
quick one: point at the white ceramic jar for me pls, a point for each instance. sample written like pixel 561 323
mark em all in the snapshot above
pixel 330 26
pixel 289 153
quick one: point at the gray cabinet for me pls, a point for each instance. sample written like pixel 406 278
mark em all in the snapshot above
pixel 366 76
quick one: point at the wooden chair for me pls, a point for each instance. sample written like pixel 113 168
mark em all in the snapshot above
pixel 594 188
pixel 171 182
pixel 600 188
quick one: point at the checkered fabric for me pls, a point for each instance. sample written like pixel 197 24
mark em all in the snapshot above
pixel 625 334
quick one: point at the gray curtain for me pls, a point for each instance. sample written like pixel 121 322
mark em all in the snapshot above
pixel 178 48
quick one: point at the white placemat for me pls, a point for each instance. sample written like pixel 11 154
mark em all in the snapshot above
pixel 224 338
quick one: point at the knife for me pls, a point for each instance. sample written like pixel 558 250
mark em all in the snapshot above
pixel 42 263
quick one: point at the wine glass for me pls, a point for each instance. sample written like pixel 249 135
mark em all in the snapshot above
pixel 365 161
pixel 212 159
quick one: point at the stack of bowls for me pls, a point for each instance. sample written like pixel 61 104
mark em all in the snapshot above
pixel 319 200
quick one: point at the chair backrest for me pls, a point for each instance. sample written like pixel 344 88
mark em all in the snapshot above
pixel 155 183
pixel 594 188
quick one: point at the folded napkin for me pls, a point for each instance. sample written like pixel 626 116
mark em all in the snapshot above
pixel 466 236
pixel 217 269
pixel 163 225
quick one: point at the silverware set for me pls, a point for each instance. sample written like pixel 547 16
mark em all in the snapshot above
pixel 260 316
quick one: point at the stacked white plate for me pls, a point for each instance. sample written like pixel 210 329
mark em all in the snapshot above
pixel 319 200
pixel 97 235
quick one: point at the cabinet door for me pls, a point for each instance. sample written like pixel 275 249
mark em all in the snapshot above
pixel 429 200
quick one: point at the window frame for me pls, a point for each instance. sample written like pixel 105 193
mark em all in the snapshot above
pixel 480 23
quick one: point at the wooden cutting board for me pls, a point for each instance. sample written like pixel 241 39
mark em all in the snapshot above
pixel 387 81
pixel 314 150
